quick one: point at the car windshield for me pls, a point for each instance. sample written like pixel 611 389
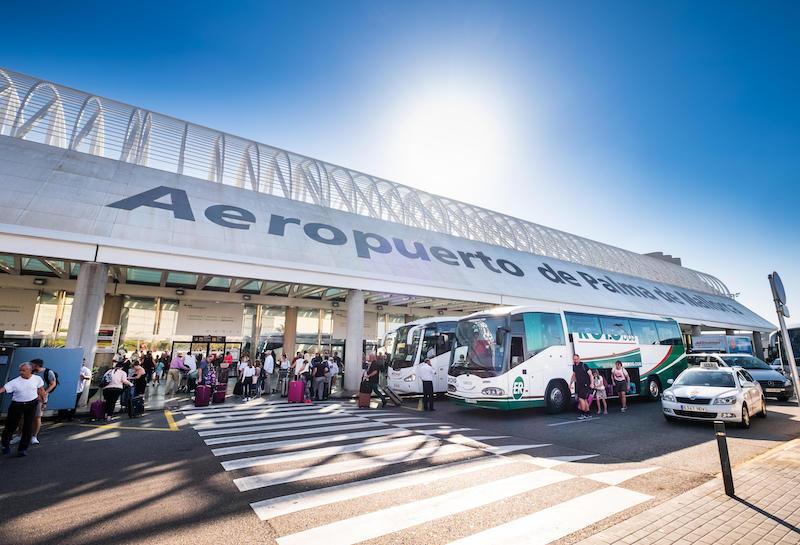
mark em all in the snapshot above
pixel 476 350
pixel 745 362
pixel 701 377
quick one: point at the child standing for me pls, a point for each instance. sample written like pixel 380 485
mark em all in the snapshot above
pixel 599 386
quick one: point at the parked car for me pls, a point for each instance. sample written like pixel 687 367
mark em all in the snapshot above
pixel 714 392
pixel 774 383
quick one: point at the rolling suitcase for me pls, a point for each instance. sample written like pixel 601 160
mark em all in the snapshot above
pixel 202 395
pixel 136 406
pixel 296 391
pixel 363 400
pixel 219 393
pixel 97 410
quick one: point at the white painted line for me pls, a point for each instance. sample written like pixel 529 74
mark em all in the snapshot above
pixel 448 431
pixel 284 505
pixel 405 442
pixel 315 426
pixel 298 444
pixel 395 418
pixel 292 433
pixel 566 423
pixel 399 517
pixel 262 403
pixel 505 449
pixel 559 521
pixel 337 468
pixel 304 409
pixel 271 421
pixel 618 476
pixel 553 461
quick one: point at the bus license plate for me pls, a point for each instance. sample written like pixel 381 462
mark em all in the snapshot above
pixel 693 408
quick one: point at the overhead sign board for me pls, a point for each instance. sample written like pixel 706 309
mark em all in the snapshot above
pixel 209 318
pixel 240 231
pixel 17 308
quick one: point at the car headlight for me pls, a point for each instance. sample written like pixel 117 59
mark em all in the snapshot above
pixel 410 378
pixel 728 400
pixel 668 396
pixel 492 391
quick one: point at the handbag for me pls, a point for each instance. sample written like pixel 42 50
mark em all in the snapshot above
pixel 237 388
pixel 590 398
pixel 366 387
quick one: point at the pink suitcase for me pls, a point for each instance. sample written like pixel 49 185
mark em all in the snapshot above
pixel 202 396
pixel 219 394
pixel 296 390
pixel 97 410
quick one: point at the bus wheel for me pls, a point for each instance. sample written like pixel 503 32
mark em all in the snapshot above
pixel 653 389
pixel 556 397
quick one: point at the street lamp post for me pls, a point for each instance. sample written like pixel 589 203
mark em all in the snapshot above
pixel 779 296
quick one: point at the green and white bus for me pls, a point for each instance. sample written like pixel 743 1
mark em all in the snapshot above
pixel 521 357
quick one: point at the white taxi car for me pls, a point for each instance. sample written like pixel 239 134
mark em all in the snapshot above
pixel 711 392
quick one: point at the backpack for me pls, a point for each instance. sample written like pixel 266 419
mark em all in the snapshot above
pixel 106 380
pixel 45 377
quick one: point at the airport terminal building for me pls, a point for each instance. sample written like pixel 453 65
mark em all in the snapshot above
pixel 122 227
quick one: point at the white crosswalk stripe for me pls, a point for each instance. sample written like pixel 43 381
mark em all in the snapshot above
pixel 333 450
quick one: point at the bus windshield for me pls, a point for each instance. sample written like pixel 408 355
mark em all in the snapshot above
pixel 405 347
pixel 476 350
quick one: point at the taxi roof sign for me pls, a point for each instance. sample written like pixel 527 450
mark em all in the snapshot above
pixel 709 365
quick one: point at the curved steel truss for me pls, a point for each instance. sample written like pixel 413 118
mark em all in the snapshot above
pixel 55 115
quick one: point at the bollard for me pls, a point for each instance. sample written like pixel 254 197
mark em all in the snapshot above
pixel 724 458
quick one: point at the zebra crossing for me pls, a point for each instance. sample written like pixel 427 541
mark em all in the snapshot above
pixel 380 476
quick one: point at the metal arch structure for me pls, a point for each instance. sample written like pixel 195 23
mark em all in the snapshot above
pixel 52 114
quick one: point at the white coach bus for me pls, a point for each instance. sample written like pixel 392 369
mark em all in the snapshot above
pixel 521 357
pixel 409 345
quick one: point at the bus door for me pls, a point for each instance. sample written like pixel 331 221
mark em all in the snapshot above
pixel 436 346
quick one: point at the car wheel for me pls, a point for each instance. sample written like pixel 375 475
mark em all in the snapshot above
pixel 783 399
pixel 653 389
pixel 763 412
pixel 556 398
pixel 745 422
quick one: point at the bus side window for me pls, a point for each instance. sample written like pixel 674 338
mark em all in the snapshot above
pixel 542 330
pixel 645 330
pixel 517 351
pixel 669 333
pixel 583 323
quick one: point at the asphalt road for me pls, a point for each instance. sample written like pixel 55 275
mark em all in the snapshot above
pixel 334 474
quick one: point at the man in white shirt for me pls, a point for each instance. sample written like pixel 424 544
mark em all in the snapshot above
pixel 333 370
pixel 27 391
pixel 425 372
pixel 83 379
pixel 269 368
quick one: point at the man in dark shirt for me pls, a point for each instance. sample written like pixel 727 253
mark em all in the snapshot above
pixel 319 370
pixel 371 375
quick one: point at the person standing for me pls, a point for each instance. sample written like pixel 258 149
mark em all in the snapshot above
pixel 249 381
pixel 319 371
pixel 190 362
pixel 583 386
pixel 139 378
pixel 117 380
pixel 27 393
pixel 174 374
pixel 426 376
pixel 149 365
pixel 269 368
pixel 371 375
pixel 159 372
pixel 83 379
pixel 50 381
pixel 333 370
pixel 599 388
pixel 621 381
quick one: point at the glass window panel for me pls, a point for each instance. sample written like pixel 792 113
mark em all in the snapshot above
pixel 181 279
pixel 307 321
pixel 7 260
pixel 669 333
pixel 645 330
pixel 143 276
pixel 32 264
pixel 219 282
pixel 252 287
pixel 615 326
pixel 583 323
pixel 273 321
pixel 542 330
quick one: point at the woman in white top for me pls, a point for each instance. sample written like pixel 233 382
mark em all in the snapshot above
pixel 118 379
pixel 249 381
pixel 621 382
pixel 27 391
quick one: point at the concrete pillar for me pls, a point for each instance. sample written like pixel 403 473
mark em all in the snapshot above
pixel 290 331
pixel 255 332
pixel 354 341
pixel 758 347
pixel 695 331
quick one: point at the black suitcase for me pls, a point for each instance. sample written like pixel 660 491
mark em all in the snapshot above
pixel 136 406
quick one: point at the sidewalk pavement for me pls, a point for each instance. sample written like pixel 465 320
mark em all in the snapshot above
pixel 765 510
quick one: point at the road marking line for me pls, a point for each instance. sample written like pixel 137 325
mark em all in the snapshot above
pixel 369 444
pixel 170 421
pixel 114 426
pixel 267 411
pixel 568 422
pixel 337 468
pixel 288 425
pixel 250 405
pixel 273 445
pixel 269 421
pixel 399 517
pixel 506 449
pixel 291 433
pixel 618 476
pixel 553 461
pixel 556 522
pixel 284 505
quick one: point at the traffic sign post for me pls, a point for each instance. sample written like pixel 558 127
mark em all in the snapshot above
pixel 779 297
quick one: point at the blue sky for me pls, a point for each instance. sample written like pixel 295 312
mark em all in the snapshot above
pixel 670 126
